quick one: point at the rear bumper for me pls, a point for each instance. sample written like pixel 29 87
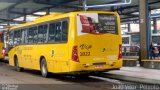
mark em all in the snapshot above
pixel 110 65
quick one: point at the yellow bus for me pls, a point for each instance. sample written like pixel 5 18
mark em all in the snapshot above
pixel 73 42
pixel 2 48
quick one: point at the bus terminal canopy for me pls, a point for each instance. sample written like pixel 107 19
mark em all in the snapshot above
pixel 12 9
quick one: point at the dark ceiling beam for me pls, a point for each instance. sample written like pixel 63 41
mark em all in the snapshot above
pixel 128 17
pixel 116 1
pixel 129 20
pixel 132 15
pixel 131 12
pixel 13 1
pixel 135 6
pixel 53 2
pixel 45 8
pixel 9 20
pixel 65 1
pixel 9 8
pixel 20 13
pixel 10 1
pixel 128 13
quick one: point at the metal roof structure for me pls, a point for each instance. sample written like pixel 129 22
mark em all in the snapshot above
pixel 12 9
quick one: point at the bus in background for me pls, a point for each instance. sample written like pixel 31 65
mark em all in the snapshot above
pixel 2 47
pixel 130 45
pixel 131 42
pixel 76 42
pixel 133 38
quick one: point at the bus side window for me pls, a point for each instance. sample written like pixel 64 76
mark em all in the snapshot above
pixel 17 37
pixel 32 35
pixel 42 33
pixel 51 36
pixel 14 37
pixel 64 31
pixel 35 35
pixel 24 36
pixel 58 32
pixel 45 33
pixel 10 39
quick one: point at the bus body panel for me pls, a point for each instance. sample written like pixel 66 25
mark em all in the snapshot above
pixel 56 54
pixel 29 56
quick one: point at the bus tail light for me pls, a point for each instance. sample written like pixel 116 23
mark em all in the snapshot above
pixel 120 52
pixel 75 54
pixel 3 51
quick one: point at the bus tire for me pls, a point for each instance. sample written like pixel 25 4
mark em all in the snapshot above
pixel 19 69
pixel 44 69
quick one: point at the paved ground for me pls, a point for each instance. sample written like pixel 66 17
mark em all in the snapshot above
pixel 136 74
pixel 32 80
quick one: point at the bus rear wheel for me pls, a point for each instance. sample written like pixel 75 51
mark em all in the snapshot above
pixel 44 70
pixel 19 69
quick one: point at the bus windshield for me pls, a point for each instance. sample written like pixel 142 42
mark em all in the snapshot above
pixel 97 23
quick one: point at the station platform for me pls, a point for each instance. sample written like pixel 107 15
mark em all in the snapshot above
pixel 136 74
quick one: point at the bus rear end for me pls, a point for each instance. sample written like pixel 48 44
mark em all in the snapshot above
pixel 98 42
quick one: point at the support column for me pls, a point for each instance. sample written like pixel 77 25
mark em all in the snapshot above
pixel 48 11
pixel 8 17
pixel 8 24
pixel 25 16
pixel 145 30
pixel 129 27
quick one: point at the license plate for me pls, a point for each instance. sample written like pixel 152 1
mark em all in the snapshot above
pixel 99 66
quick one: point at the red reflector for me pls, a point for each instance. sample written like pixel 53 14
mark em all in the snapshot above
pixel 120 52
pixel 3 51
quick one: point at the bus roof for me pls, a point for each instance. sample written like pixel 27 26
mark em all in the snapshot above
pixel 55 16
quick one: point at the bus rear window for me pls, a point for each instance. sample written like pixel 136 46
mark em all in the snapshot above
pixel 97 23
pixel 107 23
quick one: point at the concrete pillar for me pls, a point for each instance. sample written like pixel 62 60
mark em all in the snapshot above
pixel 145 30
pixel 25 16
pixel 48 11
pixel 129 27
pixel 154 23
